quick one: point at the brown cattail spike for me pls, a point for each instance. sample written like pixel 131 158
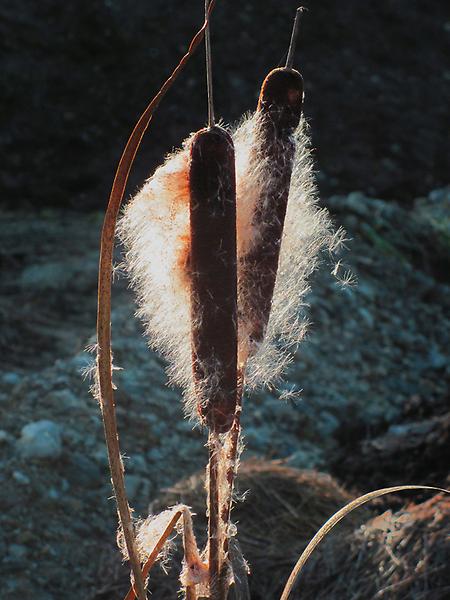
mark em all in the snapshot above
pixel 213 275
pixel 281 100
pixel 280 108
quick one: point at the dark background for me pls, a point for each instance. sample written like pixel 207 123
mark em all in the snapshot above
pixel 77 75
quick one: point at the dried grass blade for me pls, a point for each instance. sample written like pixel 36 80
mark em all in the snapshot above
pixel 334 520
pixel 155 552
pixel 104 307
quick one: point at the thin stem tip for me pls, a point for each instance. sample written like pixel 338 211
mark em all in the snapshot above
pixel 294 36
pixel 209 81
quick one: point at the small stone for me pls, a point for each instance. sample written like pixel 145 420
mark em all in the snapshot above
pixel 84 471
pixel 367 317
pixel 21 478
pixel 155 455
pixel 63 399
pixel 101 457
pixel 11 378
pixel 439 195
pixel 17 551
pixel 328 423
pixel 5 437
pixel 41 440
pixel 436 360
pixel 367 290
pixel 53 494
pixel 307 456
pixel 357 202
pixel 137 463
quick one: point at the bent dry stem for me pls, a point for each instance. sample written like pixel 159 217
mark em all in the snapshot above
pixel 104 366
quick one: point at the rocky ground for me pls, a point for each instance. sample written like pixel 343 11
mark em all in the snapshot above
pixel 374 380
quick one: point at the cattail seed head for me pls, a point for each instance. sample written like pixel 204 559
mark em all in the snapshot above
pixel 213 275
pixel 279 111
pixel 156 232
pixel 272 326
pixel 281 100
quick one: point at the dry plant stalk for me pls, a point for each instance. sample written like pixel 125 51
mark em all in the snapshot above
pixel 104 366
pixel 336 518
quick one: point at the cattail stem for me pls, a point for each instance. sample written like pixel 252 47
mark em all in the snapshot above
pixel 214 311
pixel 209 80
pixel 104 306
pixel 231 454
pixel 214 521
pixel 292 45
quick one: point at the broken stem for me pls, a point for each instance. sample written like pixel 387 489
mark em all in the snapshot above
pixel 191 554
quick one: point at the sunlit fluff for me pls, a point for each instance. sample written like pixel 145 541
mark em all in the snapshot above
pixel 308 231
pixel 155 232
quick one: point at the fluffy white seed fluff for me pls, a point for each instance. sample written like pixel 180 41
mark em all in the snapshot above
pixel 308 231
pixel 155 232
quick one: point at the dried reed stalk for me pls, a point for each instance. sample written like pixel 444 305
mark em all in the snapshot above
pixel 104 366
pixel 336 518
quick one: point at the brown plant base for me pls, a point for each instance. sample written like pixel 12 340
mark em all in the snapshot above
pixel 285 508
pixel 396 555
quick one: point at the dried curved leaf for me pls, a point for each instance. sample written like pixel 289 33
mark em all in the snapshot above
pixel 334 520
pixel 104 367
pixel 177 513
